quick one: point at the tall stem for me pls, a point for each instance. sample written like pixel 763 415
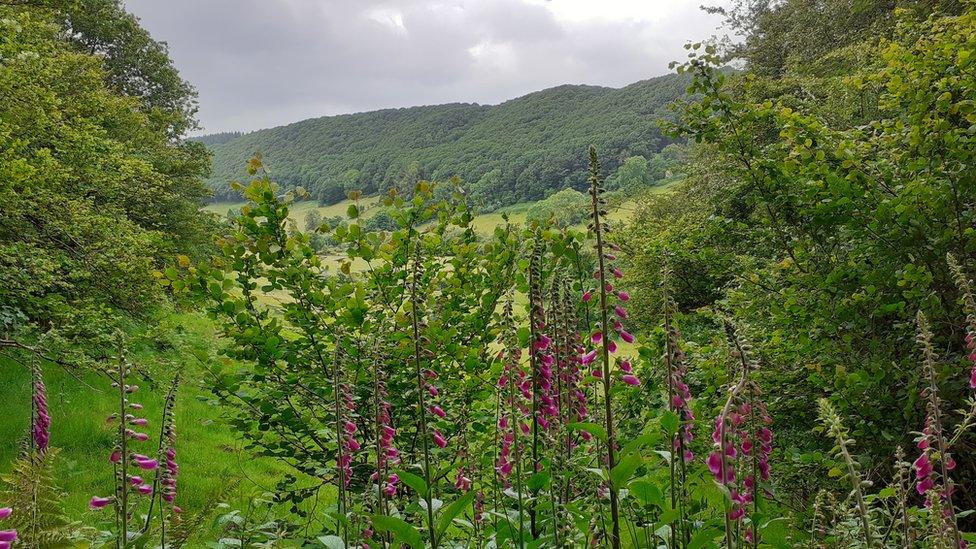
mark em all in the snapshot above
pixel 121 480
pixel 421 399
pixel 595 190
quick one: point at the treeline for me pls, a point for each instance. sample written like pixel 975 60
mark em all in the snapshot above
pixel 97 186
pixel 520 150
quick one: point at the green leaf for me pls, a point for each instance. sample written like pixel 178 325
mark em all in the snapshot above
pixel 669 422
pixel 418 484
pixel 594 429
pixel 624 469
pixel 332 542
pixel 647 491
pixel 352 211
pixel 403 531
pixel 453 510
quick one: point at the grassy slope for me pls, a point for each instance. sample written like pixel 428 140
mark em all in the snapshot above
pixel 213 467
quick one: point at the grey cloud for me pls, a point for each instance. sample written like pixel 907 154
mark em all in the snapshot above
pixel 259 63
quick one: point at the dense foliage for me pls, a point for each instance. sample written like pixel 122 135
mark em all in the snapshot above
pixel 781 352
pixel 520 150
pixel 96 191
pixel 819 211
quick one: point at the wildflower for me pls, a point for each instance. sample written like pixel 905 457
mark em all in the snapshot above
pixel 99 503
pixel 626 336
pixel 148 464
pixel 5 512
pixel 631 380
pixel 145 489
pixel 42 420
pixel 623 296
pixel 439 439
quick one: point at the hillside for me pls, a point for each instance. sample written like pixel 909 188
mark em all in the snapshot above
pixel 512 152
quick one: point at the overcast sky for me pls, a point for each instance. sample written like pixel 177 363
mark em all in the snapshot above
pixel 263 63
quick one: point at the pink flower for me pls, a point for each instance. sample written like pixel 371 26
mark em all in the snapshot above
pixel 139 421
pixel 714 462
pixel 924 486
pixel 439 439
pixel 5 512
pixel 588 357
pixel 620 311
pixel 99 503
pixel 177 509
pixel 923 467
pixel 8 536
pixel 148 464
pixel 631 380
pixel 145 489
pixel 437 411
pixel 627 336
pixel 596 338
pixel 115 457
pixel 349 427
pixel 623 296
pixel 587 296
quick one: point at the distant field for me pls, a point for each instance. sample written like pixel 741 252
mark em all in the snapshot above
pixel 484 223
pixel 299 210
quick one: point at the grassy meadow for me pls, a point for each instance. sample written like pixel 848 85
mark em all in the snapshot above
pixel 214 468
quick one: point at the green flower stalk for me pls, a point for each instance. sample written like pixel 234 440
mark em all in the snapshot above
pixel 842 441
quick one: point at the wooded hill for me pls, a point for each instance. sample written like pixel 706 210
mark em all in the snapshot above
pixel 519 150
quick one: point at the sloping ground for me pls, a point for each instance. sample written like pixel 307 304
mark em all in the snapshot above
pixel 511 152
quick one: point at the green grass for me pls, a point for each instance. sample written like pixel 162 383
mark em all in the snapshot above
pixel 213 467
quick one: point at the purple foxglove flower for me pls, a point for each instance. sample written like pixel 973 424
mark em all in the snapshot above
pixel 596 338
pixel 141 422
pixel 350 427
pixel 144 489
pixel 5 512
pixel 626 367
pixel 115 457
pixel 437 411
pixel 8 536
pixel 612 346
pixel 439 439
pixel 432 390
pixel 588 357
pixel 99 503
pixel 620 311
pixel 627 336
pixel 631 380
pixel 587 296
pixel 923 467
pixel 148 464
pixel 924 486
pixel 623 296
